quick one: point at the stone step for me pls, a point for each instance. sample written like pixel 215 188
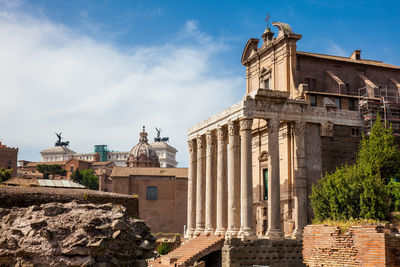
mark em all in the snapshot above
pixel 189 252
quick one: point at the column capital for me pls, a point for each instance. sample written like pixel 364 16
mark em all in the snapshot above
pixel 299 127
pixel 210 138
pixel 232 128
pixel 191 145
pixel 246 124
pixel 221 134
pixel 272 125
pixel 200 142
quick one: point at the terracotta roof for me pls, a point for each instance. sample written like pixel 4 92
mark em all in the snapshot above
pixel 34 164
pixel 128 171
pixel 346 59
pixel 102 163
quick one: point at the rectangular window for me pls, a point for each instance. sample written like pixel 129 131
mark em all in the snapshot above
pixel 355 132
pixel 338 102
pixel 266 83
pixel 313 100
pixel 351 104
pixel 151 193
pixel 265 173
pixel 347 88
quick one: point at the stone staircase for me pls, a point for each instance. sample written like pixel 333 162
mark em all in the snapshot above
pixel 191 251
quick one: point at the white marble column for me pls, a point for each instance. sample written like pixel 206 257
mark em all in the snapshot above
pixel 191 212
pixel 222 192
pixel 210 182
pixel 300 179
pixel 274 230
pixel 200 186
pixel 233 181
pixel 246 181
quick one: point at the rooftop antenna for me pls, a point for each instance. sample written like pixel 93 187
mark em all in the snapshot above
pixel 267 19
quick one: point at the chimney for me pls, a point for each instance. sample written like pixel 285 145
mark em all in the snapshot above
pixel 356 55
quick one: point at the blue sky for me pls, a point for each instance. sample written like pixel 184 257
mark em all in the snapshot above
pixel 99 70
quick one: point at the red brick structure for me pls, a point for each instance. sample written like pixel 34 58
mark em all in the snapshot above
pixel 8 158
pixel 364 245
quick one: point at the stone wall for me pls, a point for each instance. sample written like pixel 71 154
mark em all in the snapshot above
pixel 25 197
pixel 339 149
pixel 366 245
pixel 274 253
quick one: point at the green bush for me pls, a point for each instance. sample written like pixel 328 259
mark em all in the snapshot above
pixel 5 174
pixel 365 190
pixel 163 248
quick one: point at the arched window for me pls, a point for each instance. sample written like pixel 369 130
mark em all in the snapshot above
pixel 151 193
pixel 72 168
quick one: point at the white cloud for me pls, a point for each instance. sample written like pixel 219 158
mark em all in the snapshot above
pixel 56 79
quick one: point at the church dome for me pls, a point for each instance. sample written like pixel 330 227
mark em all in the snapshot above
pixel 143 154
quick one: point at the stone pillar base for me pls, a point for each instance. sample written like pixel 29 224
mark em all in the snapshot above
pixel 189 233
pixel 198 231
pixel 297 234
pixel 247 234
pixel 275 234
pixel 232 233
pixel 220 231
pixel 208 231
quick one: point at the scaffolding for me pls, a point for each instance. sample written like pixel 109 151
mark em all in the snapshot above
pixel 382 100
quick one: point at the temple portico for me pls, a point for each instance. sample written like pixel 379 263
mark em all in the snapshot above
pixel 221 165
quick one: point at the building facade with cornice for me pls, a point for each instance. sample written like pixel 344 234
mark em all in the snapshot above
pixel 253 165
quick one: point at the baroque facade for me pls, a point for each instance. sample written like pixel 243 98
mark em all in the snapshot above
pixel 252 166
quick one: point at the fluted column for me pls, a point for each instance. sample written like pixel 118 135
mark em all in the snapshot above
pixel 233 181
pixel 222 193
pixel 300 179
pixel 191 213
pixel 246 181
pixel 274 230
pixel 200 186
pixel 210 188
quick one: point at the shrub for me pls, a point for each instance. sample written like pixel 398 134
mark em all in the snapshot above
pixel 163 248
pixel 365 190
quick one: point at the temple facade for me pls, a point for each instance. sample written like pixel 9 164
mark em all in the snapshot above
pixel 252 166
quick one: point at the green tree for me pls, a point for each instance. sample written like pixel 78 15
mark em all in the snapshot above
pixel 86 178
pixel 5 174
pixel 367 189
pixel 163 248
pixel 52 169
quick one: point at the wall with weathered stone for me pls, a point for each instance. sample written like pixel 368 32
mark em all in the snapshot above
pixel 274 253
pixel 366 245
pixel 25 197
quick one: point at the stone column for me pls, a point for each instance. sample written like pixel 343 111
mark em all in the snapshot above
pixel 274 230
pixel 300 179
pixel 246 181
pixel 191 212
pixel 200 187
pixel 222 192
pixel 210 188
pixel 233 181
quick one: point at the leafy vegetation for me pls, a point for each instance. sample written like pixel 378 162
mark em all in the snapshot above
pixel 163 248
pixel 366 190
pixel 86 178
pixel 52 169
pixel 5 174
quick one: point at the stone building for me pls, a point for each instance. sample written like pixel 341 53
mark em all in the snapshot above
pixel 162 192
pixel 8 158
pixel 252 166
pixel 166 154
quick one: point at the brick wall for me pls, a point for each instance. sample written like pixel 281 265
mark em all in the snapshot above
pixel 366 245
pixel 272 253
pixel 25 197
pixel 8 158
